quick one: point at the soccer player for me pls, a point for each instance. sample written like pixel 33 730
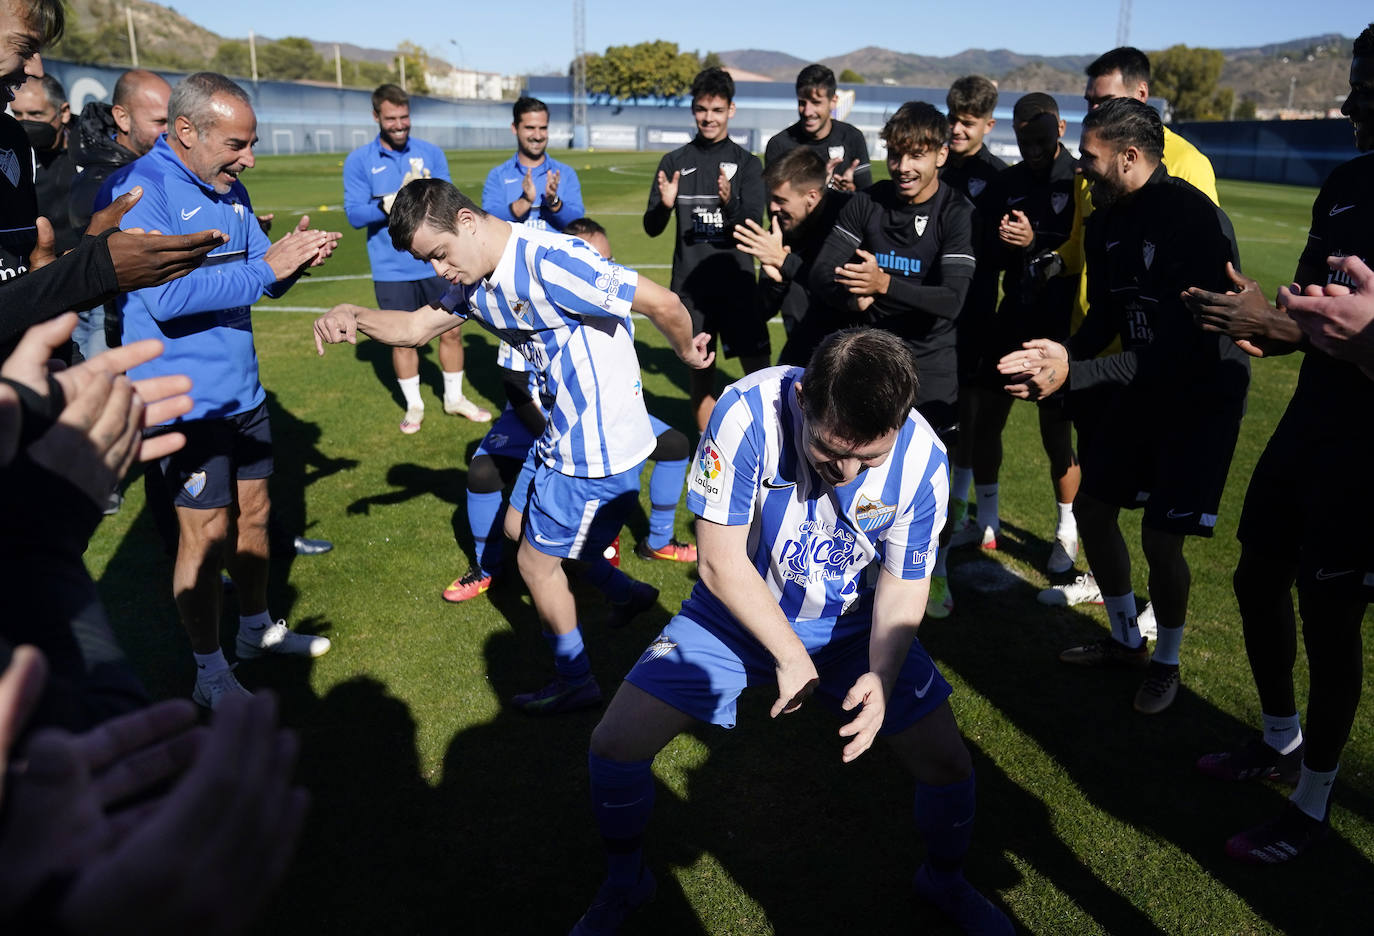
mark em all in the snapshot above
pixel 532 187
pixel 901 257
pixel 1289 533
pixel 711 185
pixel 803 210
pixel 373 174
pixel 973 169
pixel 820 494
pixel 1143 438
pixel 567 311
pixel 841 145
pixel 1038 218
pixel 190 178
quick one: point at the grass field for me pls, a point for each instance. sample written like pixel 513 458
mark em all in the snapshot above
pixel 439 810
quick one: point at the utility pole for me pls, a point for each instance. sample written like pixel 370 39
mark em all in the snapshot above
pixel 1292 86
pixel 133 41
pixel 338 66
pixel 581 133
pixel 401 61
pixel 253 55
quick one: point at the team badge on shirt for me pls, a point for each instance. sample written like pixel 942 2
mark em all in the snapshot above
pixel 9 165
pixel 976 186
pixel 195 484
pixel 708 479
pixel 920 222
pixel 1147 251
pixel 873 514
pixel 1059 201
pixel 729 169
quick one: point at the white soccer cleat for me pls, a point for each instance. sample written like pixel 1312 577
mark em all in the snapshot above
pixel 278 639
pixel 211 689
pixel 1062 555
pixel 413 417
pixel 1145 620
pixel 465 407
pixel 1081 590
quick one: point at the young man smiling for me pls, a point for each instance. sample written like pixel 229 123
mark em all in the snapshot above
pixel 532 187
pixel 841 145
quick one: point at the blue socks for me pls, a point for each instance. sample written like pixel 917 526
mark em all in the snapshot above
pixel 608 580
pixel 944 817
pixel 569 656
pixel 485 516
pixel 665 489
pixel 623 800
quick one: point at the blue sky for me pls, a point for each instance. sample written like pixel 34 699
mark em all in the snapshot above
pixel 487 37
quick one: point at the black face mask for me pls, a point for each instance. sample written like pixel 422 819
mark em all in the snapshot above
pixel 42 135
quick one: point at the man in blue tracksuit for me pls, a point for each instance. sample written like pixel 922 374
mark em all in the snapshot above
pixel 190 182
pixel 373 174
pixel 532 187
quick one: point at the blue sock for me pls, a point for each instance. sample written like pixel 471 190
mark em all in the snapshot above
pixel 608 580
pixel 623 800
pixel 665 489
pixel 484 519
pixel 569 656
pixel 944 817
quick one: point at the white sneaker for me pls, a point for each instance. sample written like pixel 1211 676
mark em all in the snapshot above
pixel 1145 620
pixel 411 423
pixel 974 532
pixel 211 689
pixel 1063 555
pixel 1081 590
pixel 465 407
pixel 278 639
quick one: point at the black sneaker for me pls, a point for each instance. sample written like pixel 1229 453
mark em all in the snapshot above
pixel 1255 761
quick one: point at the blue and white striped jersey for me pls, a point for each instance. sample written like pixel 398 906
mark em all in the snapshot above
pixel 817 546
pixel 567 312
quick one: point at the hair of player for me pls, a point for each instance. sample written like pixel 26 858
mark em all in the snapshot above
pixel 1030 106
pixel 129 84
pixel 860 384
pixel 53 91
pixel 972 95
pixel 193 98
pixel 427 201
pixel 1364 43
pixel 802 168
pixel 915 128
pixel 526 105
pixel 1133 64
pixel 584 228
pixel 815 77
pixel 47 17
pixel 713 82
pixel 389 94
pixel 1125 122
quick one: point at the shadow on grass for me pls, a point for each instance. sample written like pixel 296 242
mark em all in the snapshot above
pixel 479 367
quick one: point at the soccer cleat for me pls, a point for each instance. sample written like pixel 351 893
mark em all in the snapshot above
pixel 560 696
pixel 1278 840
pixel 465 407
pixel 1145 622
pixel 1081 590
pixel 974 532
pixel 940 603
pixel 311 547
pixel 1106 652
pixel 643 596
pixel 211 689
pixel 1255 761
pixel 475 583
pixel 961 902
pixel 673 551
pixel 278 639
pixel 112 504
pixel 1062 555
pixel 1159 689
pixel 613 905
pixel 410 424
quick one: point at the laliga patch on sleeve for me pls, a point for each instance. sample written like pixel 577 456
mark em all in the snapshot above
pixel 708 475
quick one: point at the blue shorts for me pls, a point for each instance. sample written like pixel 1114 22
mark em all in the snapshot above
pixel 409 295
pixel 572 517
pixel 218 453
pixel 508 437
pixel 702 670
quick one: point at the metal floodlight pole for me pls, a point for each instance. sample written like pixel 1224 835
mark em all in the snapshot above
pixel 1123 24
pixel 253 55
pixel 133 40
pixel 401 60
pixel 581 133
pixel 338 66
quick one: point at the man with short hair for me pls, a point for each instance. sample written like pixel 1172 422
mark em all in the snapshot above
pixel 532 187
pixel 841 145
pixel 1142 437
pixel 567 311
pixel 711 185
pixel 41 108
pixel 191 178
pixel 373 174
pixel 108 136
pixel 803 209
pixel 820 495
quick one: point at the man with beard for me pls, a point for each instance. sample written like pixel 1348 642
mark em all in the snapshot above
pixel 532 187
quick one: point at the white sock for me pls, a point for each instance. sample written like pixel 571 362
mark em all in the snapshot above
pixel 410 387
pixel 208 664
pixel 987 506
pixel 1314 791
pixel 453 385
pixel 960 479
pixel 1068 526
pixel 1167 642
pixel 253 625
pixel 1283 733
pixel 1121 614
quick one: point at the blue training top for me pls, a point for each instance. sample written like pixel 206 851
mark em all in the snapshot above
pixel 505 183
pixel 371 172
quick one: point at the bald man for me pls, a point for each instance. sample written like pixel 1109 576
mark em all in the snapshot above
pixel 108 136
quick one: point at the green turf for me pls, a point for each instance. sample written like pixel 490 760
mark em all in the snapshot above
pixel 437 809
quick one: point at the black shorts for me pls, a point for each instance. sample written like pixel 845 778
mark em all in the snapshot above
pixel 1137 451
pixel 409 295
pixel 722 298
pixel 218 453
pixel 1308 503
